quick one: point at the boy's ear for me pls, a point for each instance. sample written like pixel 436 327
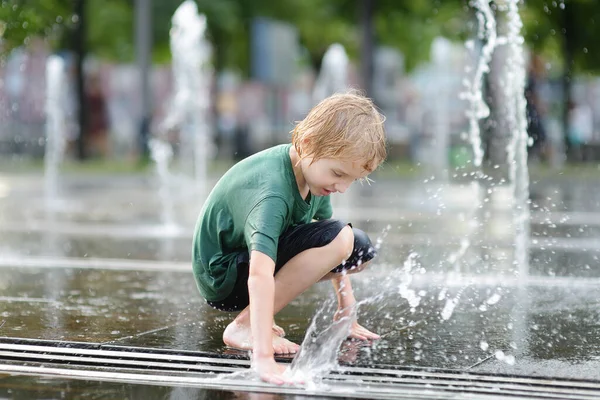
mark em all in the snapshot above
pixel 304 144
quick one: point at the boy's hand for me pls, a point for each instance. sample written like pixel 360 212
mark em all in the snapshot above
pixel 359 332
pixel 270 371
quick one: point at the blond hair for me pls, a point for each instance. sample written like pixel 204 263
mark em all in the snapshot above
pixel 344 126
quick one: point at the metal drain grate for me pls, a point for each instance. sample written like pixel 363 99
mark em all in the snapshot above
pixel 171 367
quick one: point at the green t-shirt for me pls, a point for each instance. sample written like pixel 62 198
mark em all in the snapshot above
pixel 248 209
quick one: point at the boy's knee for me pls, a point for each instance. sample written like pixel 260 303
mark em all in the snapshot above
pixel 345 242
pixel 362 241
pixel 362 252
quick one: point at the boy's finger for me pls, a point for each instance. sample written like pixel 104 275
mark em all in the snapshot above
pixel 358 336
pixel 270 378
pixel 369 334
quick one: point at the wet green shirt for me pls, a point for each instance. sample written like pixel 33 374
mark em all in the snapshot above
pixel 248 209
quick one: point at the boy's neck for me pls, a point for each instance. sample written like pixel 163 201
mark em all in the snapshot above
pixel 297 168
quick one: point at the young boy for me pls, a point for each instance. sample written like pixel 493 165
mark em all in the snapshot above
pixel 256 244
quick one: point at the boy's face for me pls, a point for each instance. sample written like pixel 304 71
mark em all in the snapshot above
pixel 327 175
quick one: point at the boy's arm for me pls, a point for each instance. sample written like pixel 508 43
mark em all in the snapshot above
pixel 346 303
pixel 344 293
pixel 261 290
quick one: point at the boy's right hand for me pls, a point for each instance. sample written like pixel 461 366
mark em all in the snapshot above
pixel 270 371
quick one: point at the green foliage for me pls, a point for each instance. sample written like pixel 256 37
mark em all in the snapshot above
pixel 20 20
pixel 412 26
pixel 320 23
pixel 227 31
pixel 407 25
pixel 549 24
pixel 110 29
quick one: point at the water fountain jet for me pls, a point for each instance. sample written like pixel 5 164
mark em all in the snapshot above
pixel 333 76
pixel 56 126
pixel 500 35
pixel 190 108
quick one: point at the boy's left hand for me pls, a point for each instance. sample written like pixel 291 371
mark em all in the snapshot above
pixel 359 332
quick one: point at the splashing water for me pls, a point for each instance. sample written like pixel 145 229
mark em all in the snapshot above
pixel 403 289
pixel 56 126
pixel 459 254
pixel 318 353
pixel 450 305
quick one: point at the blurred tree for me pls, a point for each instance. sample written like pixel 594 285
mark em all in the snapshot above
pixel 411 26
pixel 62 24
pixel 319 23
pixel 407 25
pixel 566 32
pixel 110 32
pixel 79 46
pixel 20 20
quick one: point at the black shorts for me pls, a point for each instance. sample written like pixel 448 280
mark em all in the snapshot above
pixel 293 242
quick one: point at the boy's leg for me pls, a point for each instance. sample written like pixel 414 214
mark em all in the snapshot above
pixel 363 252
pixel 296 276
pixel 309 253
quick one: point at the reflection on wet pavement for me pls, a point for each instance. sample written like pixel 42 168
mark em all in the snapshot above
pixel 27 388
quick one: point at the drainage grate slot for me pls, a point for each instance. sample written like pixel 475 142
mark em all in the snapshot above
pixel 172 367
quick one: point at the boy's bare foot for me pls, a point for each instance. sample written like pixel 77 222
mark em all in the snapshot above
pixel 240 337
pixel 284 346
pixel 278 330
pixel 272 372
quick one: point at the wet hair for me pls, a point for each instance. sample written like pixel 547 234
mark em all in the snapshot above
pixel 344 126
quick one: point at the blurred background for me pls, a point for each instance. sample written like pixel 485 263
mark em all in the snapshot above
pixel 260 64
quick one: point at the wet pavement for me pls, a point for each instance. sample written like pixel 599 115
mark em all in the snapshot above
pixel 538 321
pixel 102 268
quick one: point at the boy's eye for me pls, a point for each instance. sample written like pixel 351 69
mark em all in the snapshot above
pixel 337 174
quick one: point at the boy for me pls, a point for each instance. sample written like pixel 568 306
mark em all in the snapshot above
pixel 255 248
